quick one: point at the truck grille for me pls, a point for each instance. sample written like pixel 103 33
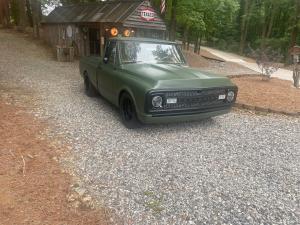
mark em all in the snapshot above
pixel 195 99
pixel 191 100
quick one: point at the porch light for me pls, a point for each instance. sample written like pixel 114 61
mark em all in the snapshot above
pixel 114 31
pixel 126 33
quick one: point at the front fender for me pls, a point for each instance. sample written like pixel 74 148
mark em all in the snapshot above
pixel 138 97
pixel 137 88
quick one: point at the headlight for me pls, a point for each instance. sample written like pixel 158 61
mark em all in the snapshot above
pixel 157 101
pixel 230 96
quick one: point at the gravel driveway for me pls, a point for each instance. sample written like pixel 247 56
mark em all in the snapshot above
pixel 233 169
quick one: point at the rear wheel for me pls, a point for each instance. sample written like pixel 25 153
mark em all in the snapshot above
pixel 128 112
pixel 90 90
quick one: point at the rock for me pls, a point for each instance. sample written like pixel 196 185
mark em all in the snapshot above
pixel 80 191
pixel 71 197
pixel 87 199
pixel 55 159
pixel 88 202
pixel 76 204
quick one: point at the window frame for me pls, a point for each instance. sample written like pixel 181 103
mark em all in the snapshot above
pixel 107 54
pixel 177 46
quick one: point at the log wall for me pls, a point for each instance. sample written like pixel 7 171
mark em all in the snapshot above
pixel 56 34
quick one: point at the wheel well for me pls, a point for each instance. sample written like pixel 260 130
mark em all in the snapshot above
pixel 127 92
pixel 121 93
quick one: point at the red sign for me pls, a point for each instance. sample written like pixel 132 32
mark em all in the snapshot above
pixel 147 14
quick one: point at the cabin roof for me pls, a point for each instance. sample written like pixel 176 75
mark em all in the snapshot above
pixel 125 12
pixel 109 11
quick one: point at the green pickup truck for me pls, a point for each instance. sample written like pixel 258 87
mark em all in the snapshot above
pixel 150 82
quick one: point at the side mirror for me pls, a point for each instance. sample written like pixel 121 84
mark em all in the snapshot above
pixel 105 60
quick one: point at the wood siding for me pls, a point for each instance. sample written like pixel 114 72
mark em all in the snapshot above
pixel 57 35
pixel 135 20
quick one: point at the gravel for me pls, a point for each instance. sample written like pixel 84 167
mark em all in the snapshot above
pixel 233 169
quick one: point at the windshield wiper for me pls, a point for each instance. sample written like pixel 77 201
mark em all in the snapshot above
pixel 131 62
pixel 170 63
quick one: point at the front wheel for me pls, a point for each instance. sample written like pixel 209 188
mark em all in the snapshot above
pixel 128 112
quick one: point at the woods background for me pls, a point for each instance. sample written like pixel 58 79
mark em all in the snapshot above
pixel 231 25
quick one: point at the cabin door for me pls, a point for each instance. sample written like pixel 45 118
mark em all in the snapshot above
pixel 94 36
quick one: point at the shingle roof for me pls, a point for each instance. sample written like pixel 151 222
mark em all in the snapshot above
pixel 109 11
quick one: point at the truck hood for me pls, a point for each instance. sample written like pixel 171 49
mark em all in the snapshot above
pixel 168 76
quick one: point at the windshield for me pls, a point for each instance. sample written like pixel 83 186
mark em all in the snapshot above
pixel 154 53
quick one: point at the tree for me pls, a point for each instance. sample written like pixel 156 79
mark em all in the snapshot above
pixel 192 22
pixel 295 24
pixel 4 13
pixel 36 16
pixel 23 17
pixel 247 7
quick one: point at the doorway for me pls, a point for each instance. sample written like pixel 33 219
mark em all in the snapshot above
pixel 94 38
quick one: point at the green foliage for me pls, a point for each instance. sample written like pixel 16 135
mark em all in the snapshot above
pixel 280 44
pixel 269 23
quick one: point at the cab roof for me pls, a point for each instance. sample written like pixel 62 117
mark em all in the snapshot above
pixel 142 40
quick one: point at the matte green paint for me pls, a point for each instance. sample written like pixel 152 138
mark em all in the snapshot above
pixel 138 79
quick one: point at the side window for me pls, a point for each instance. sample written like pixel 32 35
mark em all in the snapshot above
pixel 111 51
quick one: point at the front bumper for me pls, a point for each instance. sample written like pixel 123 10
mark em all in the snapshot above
pixel 174 118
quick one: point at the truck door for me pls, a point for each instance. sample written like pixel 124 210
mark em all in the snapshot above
pixel 107 71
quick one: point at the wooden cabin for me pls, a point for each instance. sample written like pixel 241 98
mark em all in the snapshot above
pixel 86 27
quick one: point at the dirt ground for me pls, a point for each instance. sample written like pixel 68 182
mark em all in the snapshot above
pixel 34 189
pixel 275 94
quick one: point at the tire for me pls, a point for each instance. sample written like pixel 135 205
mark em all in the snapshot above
pixel 128 112
pixel 89 88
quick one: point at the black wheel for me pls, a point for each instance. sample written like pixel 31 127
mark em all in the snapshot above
pixel 128 112
pixel 90 90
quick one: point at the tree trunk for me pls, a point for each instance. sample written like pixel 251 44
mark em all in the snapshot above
pixel 270 27
pixel 295 30
pixel 264 29
pixel 23 18
pixel 244 25
pixel 173 21
pixel 36 10
pixel 29 13
pixel 185 37
pixel 4 13
pixel 196 47
pixel 199 46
